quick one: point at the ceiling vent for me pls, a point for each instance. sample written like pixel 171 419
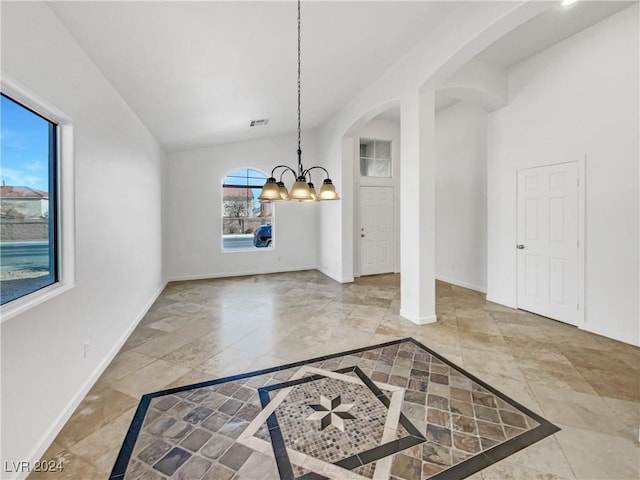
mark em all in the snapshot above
pixel 259 123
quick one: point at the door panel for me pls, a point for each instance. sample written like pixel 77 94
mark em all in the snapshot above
pixel 376 230
pixel 548 234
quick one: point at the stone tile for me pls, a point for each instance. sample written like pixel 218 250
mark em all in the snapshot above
pixel 549 367
pixel 172 461
pixel 101 447
pixel 259 465
pixel 466 443
pixel 597 455
pixel 437 454
pixel 624 385
pixel 123 364
pixel 439 435
pixel 510 471
pixel 236 456
pixel 196 439
pixel 197 415
pixel 216 446
pixel 406 467
pixel 193 354
pixel 460 423
pixel 545 456
pixel 102 405
pixel 231 406
pixel 194 468
pixel 219 472
pixel 439 417
pixel 154 452
pixel 580 410
pixel 74 467
pixel 150 378
pixel 216 421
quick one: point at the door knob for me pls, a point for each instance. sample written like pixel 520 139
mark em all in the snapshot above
pixel 362 234
pixel 520 246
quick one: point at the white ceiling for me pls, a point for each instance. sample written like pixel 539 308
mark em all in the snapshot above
pixel 197 72
pixel 547 29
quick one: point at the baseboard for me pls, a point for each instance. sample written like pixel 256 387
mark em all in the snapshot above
pixel 63 418
pixel 500 301
pixel 206 276
pixel 418 320
pixel 608 335
pixel 458 283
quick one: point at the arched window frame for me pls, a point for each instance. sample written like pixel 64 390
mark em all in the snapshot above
pixel 242 213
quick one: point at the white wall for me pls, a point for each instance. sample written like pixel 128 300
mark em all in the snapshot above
pixel 118 235
pixel 578 98
pixel 378 129
pixel 457 40
pixel 194 202
pixel 461 196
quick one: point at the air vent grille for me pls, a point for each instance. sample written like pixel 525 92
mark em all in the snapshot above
pixel 259 123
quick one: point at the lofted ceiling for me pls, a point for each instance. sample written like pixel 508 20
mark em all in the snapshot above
pixel 197 72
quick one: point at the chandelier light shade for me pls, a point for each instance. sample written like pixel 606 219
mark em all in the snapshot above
pixel 328 191
pixel 302 189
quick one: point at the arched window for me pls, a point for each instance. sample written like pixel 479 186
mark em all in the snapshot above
pixel 247 223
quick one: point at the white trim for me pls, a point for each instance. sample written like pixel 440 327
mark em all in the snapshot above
pixel 581 253
pixel 418 320
pixel 501 301
pixel 461 284
pixel 65 200
pixel 608 334
pixel 48 438
pixel 206 276
pixel 582 236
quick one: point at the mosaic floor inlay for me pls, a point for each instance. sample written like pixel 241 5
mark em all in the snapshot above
pixel 392 411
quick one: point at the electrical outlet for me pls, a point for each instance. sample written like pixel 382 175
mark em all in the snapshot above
pixel 86 348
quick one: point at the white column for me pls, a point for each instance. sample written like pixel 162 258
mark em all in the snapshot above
pixel 417 208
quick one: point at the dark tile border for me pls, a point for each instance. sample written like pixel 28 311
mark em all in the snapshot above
pixel 501 451
pixel 462 470
pixel 349 463
pixel 138 419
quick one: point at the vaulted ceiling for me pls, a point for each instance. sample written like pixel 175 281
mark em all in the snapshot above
pixel 196 73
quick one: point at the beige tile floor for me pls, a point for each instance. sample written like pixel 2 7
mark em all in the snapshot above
pixel 586 384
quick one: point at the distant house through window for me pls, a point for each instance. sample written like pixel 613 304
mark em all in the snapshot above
pixel 28 213
pixel 246 222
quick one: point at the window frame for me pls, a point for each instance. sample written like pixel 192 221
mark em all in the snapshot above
pixel 222 216
pixel 63 204
pixel 375 141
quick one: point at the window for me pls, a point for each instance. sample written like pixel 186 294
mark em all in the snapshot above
pixel 375 158
pixel 28 201
pixel 246 222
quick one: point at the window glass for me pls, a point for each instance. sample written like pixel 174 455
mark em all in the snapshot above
pixel 246 222
pixel 28 250
pixel 375 158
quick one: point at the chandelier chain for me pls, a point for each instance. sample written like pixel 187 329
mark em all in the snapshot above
pixel 300 166
pixel 303 188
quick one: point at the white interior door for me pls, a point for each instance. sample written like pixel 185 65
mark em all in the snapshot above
pixel 376 230
pixel 548 241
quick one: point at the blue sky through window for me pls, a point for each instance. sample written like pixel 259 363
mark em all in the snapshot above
pixel 24 154
pixel 247 176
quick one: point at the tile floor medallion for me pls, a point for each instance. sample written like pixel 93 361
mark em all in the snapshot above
pixel 391 411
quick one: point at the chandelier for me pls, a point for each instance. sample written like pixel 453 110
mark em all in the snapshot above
pixel 303 188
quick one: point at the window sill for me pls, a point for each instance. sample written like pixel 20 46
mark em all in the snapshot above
pixel 245 250
pixel 23 304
